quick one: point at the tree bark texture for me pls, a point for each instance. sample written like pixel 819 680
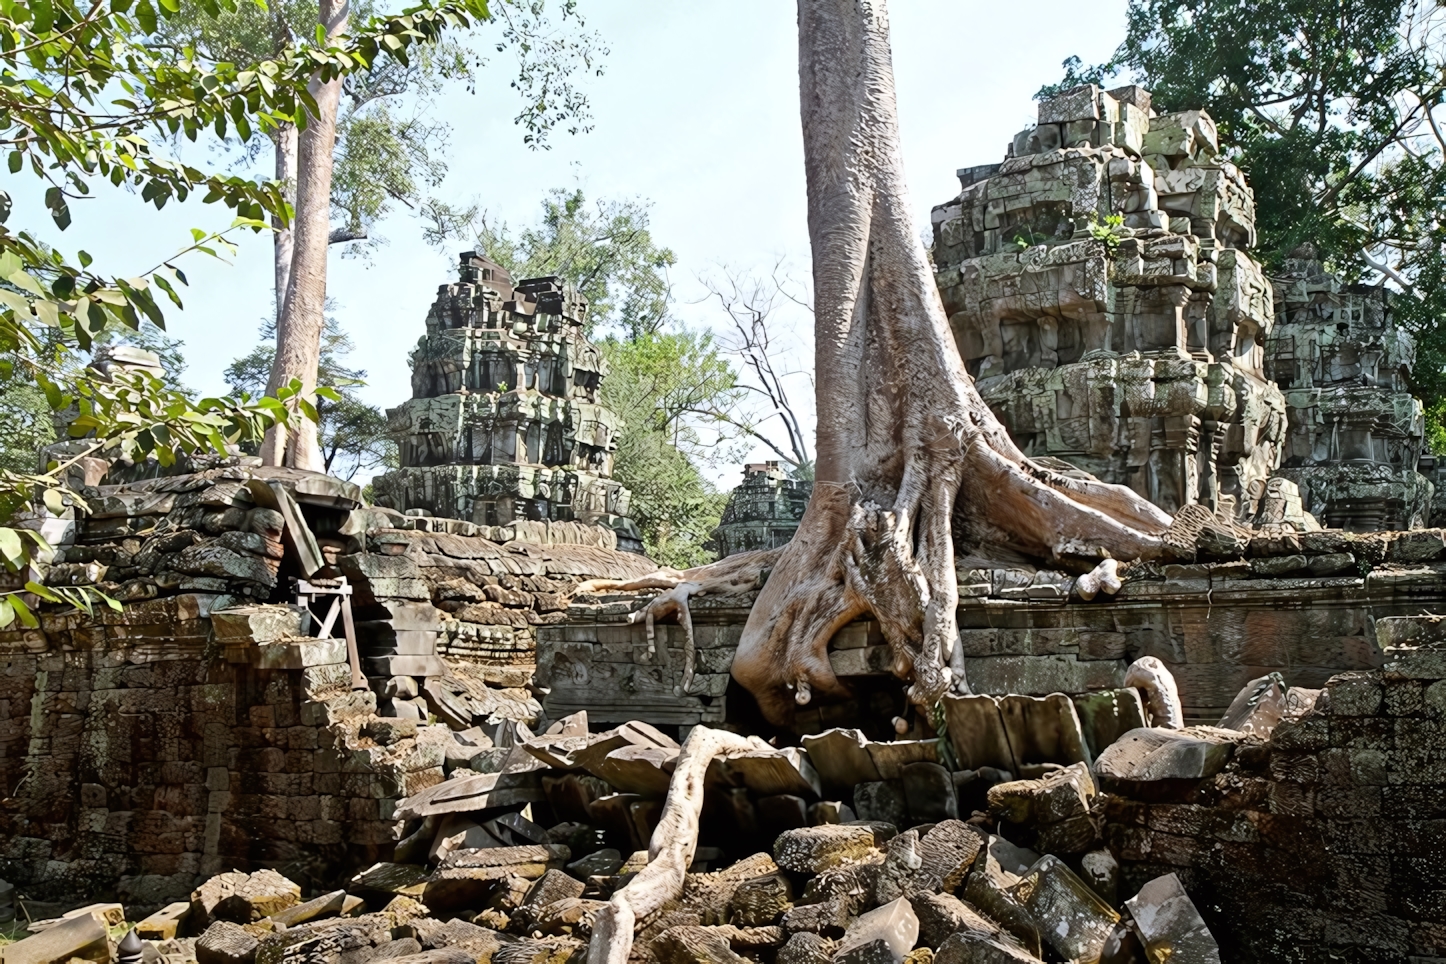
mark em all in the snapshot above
pixel 282 247
pixel 298 332
pixel 911 464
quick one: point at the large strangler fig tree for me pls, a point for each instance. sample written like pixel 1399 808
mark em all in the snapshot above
pixel 913 469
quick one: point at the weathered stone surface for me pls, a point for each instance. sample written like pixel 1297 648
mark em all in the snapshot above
pixel 873 952
pixel 1155 755
pixel 881 801
pixel 1170 924
pixel 806 947
pixel 693 945
pixel 989 888
pixel 970 947
pixel 929 792
pixel 164 923
pixel 760 901
pixel 894 924
pixel 243 898
pixel 813 849
pixel 946 853
pixel 225 943
pixel 83 937
pixel 1069 917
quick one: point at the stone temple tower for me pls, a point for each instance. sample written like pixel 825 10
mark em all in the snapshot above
pixel 1102 294
pixel 504 423
pixel 1100 289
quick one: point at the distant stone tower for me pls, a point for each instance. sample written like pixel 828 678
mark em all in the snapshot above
pixel 1356 434
pixel 504 423
pixel 1099 289
pixel 763 512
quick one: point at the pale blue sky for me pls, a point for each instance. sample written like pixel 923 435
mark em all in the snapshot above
pixel 697 112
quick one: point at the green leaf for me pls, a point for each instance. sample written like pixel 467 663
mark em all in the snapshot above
pixel 54 501
pixel 11 548
pixel 59 210
pixel 146 16
pixel 23 611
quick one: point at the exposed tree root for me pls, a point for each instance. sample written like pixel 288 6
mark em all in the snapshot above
pixel 742 572
pixel 670 852
pixel 911 462
pixel 1162 697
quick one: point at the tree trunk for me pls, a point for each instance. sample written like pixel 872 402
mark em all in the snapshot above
pixel 298 332
pixel 910 461
pixel 285 141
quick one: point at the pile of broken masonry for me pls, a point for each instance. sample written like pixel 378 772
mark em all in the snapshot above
pixel 513 856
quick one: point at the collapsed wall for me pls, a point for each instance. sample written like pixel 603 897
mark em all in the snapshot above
pixel 1325 842
pixel 204 726
pixel 1301 604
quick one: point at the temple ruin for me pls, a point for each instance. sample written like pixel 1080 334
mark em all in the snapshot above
pixel 504 422
pixel 322 730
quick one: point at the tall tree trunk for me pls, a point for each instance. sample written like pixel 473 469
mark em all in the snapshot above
pixel 285 141
pixel 910 461
pixel 298 332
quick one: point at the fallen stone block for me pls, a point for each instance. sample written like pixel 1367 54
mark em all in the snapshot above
pixel 109 913
pixel 976 731
pixel 400 947
pixel 760 901
pixel 1258 707
pixel 1070 917
pixel 881 801
pixel 968 947
pixel 769 772
pixel 890 758
pixel 225 943
pixel 83 937
pixel 164 923
pixel 806 947
pixel 1163 756
pixel 569 916
pixel 1056 807
pixel 603 863
pixel 1170 925
pixel 813 849
pixel 929 792
pixel 1107 715
pixel 1102 872
pixel 384 879
pixel 841 759
pixel 894 924
pixel 324 906
pixel 440 955
pixel 874 952
pixel 550 887
pixel 946 853
pixel 989 888
pixel 693 945
pixel 827 919
pixel 1043 729
pixel 943 914
pixel 243 898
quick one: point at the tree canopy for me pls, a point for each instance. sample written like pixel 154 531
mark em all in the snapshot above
pixel 1335 112
pixel 89 94
pixel 605 248
pixel 354 436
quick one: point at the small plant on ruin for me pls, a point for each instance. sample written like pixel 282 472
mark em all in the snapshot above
pixel 1108 232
